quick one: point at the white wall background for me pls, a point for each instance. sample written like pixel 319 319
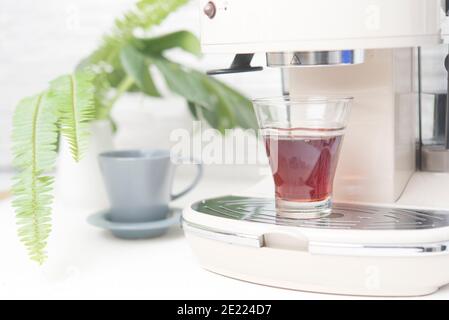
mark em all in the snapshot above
pixel 40 40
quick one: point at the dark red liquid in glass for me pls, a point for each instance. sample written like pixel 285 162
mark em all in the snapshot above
pixel 303 168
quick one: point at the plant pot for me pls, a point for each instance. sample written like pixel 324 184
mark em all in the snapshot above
pixel 80 185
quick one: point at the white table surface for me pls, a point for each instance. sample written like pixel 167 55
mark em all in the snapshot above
pixel 88 263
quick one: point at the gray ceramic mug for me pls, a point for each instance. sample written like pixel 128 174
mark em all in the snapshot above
pixel 139 184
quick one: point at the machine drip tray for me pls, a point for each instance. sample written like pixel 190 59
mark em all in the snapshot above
pixel 358 249
pixel 344 216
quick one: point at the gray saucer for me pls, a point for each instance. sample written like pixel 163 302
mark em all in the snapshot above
pixel 151 229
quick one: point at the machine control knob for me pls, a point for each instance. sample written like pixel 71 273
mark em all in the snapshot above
pixel 210 10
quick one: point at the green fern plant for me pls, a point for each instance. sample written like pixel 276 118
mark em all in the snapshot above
pixel 66 107
pixel 121 64
pixel 106 61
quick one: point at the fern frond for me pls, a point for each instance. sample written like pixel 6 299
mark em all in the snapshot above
pixel 73 96
pixel 145 15
pixel 34 139
pixel 105 62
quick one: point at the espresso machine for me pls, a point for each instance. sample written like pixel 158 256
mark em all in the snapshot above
pixel 388 234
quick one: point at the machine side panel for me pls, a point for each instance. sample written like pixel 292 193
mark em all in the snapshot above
pixel 369 169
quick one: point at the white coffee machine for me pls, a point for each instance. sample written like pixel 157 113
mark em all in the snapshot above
pixel 388 234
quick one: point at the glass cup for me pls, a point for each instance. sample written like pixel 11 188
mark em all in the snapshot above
pixel 303 137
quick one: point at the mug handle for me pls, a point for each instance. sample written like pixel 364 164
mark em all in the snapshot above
pixel 195 182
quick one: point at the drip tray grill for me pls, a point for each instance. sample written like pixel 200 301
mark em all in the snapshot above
pixel 343 216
